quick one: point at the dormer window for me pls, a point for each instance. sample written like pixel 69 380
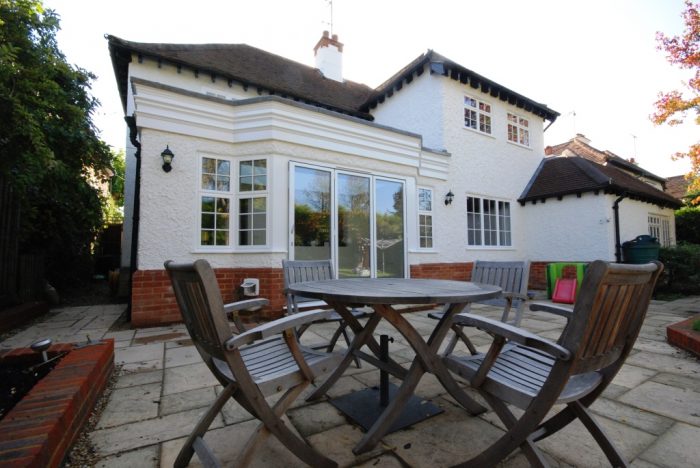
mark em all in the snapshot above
pixel 518 130
pixel 477 115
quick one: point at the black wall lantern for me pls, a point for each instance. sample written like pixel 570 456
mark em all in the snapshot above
pixel 449 197
pixel 167 156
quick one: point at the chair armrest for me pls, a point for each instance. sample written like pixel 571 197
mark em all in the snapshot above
pixel 245 305
pixel 276 326
pixel 514 334
pixel 562 311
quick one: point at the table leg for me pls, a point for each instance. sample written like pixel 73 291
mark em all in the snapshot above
pixel 361 338
pixel 426 360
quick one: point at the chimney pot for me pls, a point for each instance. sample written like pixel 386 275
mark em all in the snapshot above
pixel 335 37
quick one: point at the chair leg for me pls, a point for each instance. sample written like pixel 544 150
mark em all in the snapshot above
pixel 517 435
pixel 596 430
pixel 334 339
pixel 271 422
pixel 459 335
pixel 187 450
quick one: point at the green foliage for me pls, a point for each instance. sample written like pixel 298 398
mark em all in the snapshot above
pixel 48 140
pixel 696 325
pixel 688 224
pixel 682 269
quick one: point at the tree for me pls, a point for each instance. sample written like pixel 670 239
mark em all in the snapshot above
pixel 48 142
pixel 673 106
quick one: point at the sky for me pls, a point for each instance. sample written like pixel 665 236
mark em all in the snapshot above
pixel 595 62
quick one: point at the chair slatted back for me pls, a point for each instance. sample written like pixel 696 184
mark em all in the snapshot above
pixel 608 313
pixel 198 296
pixel 297 271
pixel 512 277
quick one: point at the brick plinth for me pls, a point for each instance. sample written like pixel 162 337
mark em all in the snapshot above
pixel 448 271
pixel 681 334
pixel 538 276
pixel 153 300
pixel 40 429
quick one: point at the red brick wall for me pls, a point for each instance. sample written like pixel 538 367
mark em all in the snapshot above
pixel 40 429
pixel 153 302
pixel 450 271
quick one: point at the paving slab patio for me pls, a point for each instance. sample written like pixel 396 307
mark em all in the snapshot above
pixel 652 409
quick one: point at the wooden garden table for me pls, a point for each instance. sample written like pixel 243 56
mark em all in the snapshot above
pixel 382 294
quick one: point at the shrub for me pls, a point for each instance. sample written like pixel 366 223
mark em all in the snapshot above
pixel 688 224
pixel 682 268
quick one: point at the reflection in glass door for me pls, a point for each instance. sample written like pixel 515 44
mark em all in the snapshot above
pixel 389 220
pixel 357 220
pixel 312 214
pixel 354 234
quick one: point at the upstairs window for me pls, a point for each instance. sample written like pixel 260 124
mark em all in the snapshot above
pixel 477 115
pixel 518 130
pixel 488 222
pixel 425 218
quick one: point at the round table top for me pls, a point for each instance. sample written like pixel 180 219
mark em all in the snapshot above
pixel 395 291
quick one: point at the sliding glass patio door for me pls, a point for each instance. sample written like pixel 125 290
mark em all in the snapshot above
pixel 357 220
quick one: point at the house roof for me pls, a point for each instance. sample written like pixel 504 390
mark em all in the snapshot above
pixel 677 186
pixel 256 68
pixel 579 146
pixel 248 66
pixel 439 64
pixel 557 177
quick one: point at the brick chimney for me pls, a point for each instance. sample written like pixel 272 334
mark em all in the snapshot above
pixel 329 56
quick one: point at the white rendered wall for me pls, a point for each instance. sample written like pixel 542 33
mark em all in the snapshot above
pixel 482 165
pixel 571 229
pixel 417 108
pixel 634 219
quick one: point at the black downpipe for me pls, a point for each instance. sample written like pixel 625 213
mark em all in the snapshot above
pixel 131 122
pixel 616 210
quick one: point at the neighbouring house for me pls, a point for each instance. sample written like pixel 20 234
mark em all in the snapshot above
pixel 677 186
pixel 583 203
pixel 274 159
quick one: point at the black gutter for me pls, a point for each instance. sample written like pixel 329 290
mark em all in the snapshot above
pixel 616 210
pixel 133 258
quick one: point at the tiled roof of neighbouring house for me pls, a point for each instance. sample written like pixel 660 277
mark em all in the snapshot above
pixel 677 186
pixel 579 146
pixel 247 66
pixel 560 176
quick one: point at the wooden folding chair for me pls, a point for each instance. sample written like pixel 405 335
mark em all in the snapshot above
pixel 297 271
pixel 252 365
pixel 534 374
pixel 512 278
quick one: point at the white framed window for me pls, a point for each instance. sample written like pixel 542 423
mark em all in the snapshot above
pixel 252 202
pixel 477 115
pixel 425 218
pixel 660 227
pixel 488 222
pixel 518 130
pixel 229 186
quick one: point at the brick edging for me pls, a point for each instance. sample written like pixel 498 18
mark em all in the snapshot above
pixel 683 336
pixel 42 427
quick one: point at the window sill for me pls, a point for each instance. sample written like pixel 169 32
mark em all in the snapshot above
pixel 491 247
pixel 231 250
pixel 519 145
pixel 478 132
pixel 424 251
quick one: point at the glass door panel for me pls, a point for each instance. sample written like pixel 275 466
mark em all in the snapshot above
pixel 312 214
pixel 389 222
pixel 354 234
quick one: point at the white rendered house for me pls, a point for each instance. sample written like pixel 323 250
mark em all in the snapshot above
pixel 274 160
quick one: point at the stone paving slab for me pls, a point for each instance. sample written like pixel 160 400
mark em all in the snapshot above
pixel 678 447
pixel 651 409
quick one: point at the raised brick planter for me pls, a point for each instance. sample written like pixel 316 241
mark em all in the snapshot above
pixel 681 334
pixel 40 429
